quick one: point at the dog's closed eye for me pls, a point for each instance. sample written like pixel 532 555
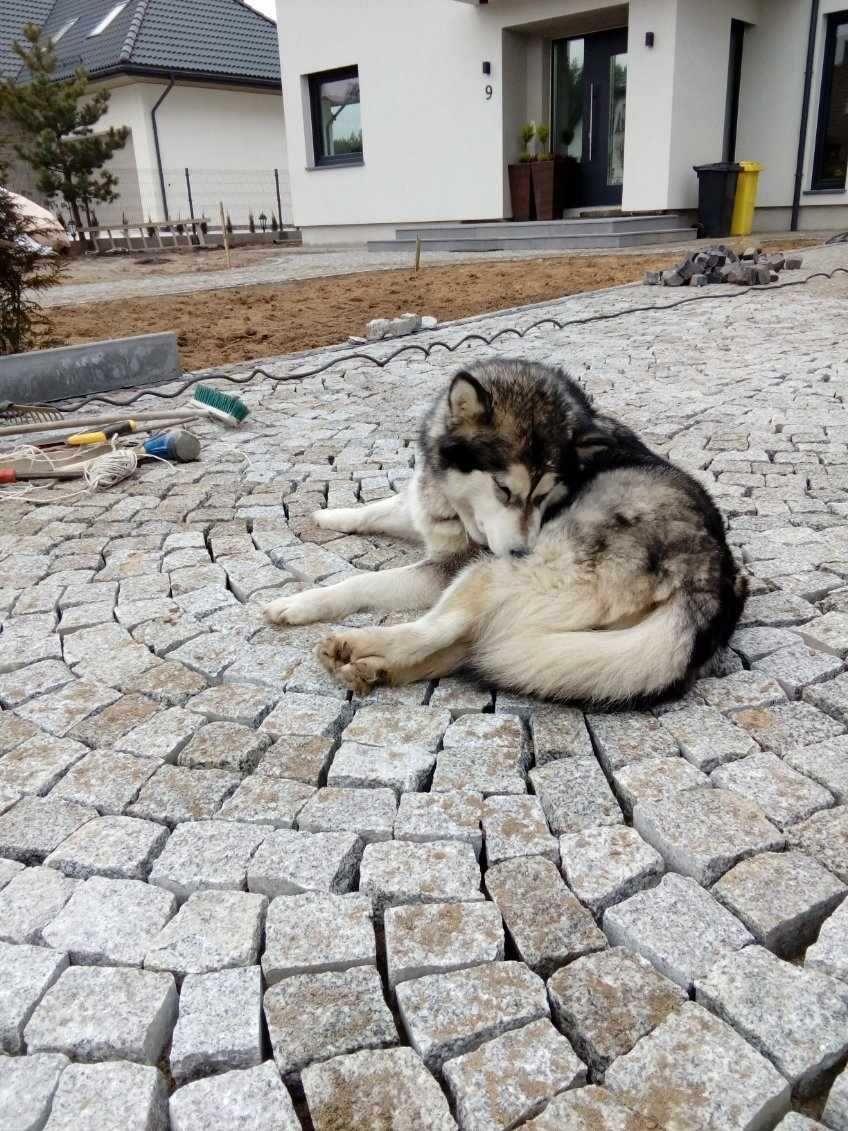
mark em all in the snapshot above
pixel 504 492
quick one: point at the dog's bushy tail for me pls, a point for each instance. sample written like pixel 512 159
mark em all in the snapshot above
pixel 604 666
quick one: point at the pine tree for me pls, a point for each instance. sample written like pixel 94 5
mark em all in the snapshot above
pixel 55 120
pixel 24 268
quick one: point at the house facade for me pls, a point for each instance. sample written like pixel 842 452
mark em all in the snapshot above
pixel 410 113
pixel 198 84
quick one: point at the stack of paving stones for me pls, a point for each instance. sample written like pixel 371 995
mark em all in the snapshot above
pixel 721 264
pixel 232 896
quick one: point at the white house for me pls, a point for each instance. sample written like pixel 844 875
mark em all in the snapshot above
pixel 427 98
pixel 198 84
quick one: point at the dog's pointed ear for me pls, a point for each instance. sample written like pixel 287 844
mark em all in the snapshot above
pixel 468 401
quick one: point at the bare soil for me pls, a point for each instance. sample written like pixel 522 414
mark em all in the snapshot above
pixel 240 324
pixel 166 261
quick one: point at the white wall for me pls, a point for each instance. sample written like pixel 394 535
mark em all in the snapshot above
pixel 434 147
pixel 231 140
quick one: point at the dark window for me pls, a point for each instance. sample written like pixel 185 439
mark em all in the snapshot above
pixel 336 122
pixel 734 82
pixel 831 159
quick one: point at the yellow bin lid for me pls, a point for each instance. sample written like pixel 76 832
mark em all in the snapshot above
pixel 751 166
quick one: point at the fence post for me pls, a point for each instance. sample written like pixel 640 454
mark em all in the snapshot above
pixel 190 202
pixel 279 201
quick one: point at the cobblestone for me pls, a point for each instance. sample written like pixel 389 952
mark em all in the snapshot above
pixel 207 854
pixel 606 1002
pixel 452 815
pixel 785 796
pixel 346 1013
pixel 317 932
pixel 211 931
pixel 446 1015
pixel 26 973
pixel 120 847
pixel 605 865
pixel 375 1089
pixel 547 925
pixel 99 1013
pixel 287 863
pixel 798 1019
pixel 103 1097
pixel 575 795
pixel 398 872
pixel 438 937
pixel 678 927
pixel 31 899
pixel 250 1097
pixel 516 826
pixel 829 953
pixel 219 1025
pixel 27 1086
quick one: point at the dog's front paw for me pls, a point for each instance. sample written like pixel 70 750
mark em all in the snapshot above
pixel 300 608
pixel 338 654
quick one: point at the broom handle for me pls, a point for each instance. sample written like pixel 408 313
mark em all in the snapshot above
pixel 92 423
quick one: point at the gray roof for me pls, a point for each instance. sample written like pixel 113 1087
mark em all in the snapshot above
pixel 13 15
pixel 220 39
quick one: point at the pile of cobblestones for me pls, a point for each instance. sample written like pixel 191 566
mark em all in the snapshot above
pixel 721 264
pixel 232 896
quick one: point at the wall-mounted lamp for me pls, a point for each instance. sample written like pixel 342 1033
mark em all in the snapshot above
pixel 487 68
pixel 649 39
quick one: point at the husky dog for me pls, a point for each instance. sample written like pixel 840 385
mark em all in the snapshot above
pixel 563 558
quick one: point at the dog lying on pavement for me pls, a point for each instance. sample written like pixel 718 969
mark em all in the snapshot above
pixel 564 559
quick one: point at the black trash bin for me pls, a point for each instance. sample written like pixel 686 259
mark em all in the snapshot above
pixel 716 193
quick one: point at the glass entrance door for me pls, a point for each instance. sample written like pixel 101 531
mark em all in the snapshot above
pixel 589 98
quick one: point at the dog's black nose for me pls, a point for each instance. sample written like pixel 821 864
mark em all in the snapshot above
pixel 522 553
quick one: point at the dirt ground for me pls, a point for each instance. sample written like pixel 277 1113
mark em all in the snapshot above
pixel 221 327
pixel 102 268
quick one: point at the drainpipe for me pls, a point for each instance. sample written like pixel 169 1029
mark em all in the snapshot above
pixel 159 102
pixel 805 114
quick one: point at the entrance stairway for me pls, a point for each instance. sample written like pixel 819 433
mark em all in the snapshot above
pixel 543 235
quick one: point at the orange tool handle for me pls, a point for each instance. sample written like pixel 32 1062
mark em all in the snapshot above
pixel 8 475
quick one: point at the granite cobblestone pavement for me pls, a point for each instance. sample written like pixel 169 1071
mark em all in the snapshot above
pixel 233 897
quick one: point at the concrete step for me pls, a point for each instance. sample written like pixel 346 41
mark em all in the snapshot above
pixel 543 243
pixel 497 228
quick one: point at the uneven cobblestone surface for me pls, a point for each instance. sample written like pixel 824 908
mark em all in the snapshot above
pixel 228 891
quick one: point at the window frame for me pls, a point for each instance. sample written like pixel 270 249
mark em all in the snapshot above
pixel 63 30
pixel 320 159
pixel 820 183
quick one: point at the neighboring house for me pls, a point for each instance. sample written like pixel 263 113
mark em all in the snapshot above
pixel 436 91
pixel 198 84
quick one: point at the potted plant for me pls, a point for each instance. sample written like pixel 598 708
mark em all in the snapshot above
pixel 543 172
pixel 520 178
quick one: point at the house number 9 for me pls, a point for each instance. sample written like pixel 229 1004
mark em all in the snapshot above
pixel 489 91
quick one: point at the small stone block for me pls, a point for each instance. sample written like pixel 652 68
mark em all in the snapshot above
pixel 213 930
pixel 695 1071
pixel 249 1098
pixel 370 813
pixel 606 1002
pixel 786 726
pixel 677 926
pixel 32 828
pixel 708 739
pixel 207 855
pixel 446 1015
pixel 103 1013
pixel 438 937
pixel 575 795
pixel 110 922
pixel 316 932
pixel 588 1109
pixel 654 779
pixel 287 863
pixel 27 1085
pixel 703 832
pixel 115 1096
pixel 511 1077
pixel 420 727
pixel 26 973
pixel 452 815
pixel 825 836
pixel 629 736
pixel 785 796
pixel 346 1013
pixel 398 872
pixel 174 794
pixel 220 1023
pixel 383 1088
pixel 605 865
pixel 267 801
pixel 369 767
pixel 781 897
pixel 516 826
pixel 224 746
pixel 829 953
pixel 798 1018
pixel 31 899
pixel 547 924
pixel 106 780
pixel 485 771
pixel 558 732
pixel 119 847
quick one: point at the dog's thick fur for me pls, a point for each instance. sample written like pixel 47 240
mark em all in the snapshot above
pixel 564 558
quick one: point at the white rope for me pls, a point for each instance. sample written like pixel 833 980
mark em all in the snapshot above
pixel 99 473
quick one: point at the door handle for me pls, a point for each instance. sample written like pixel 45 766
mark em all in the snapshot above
pixel 591 120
